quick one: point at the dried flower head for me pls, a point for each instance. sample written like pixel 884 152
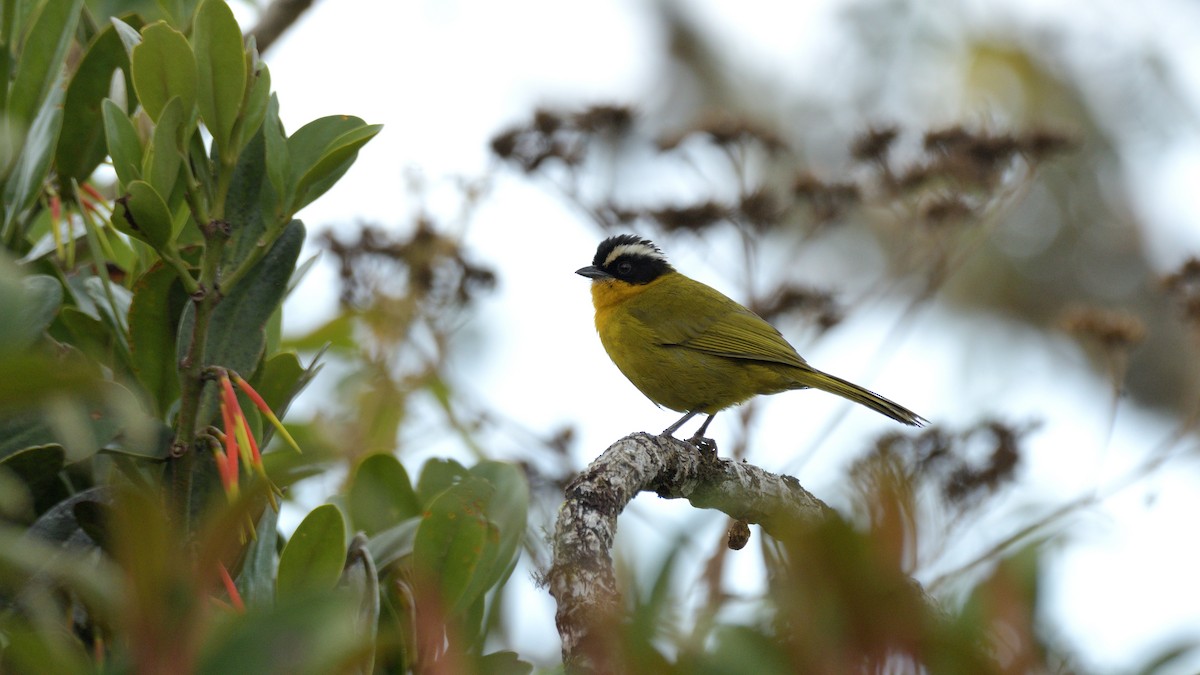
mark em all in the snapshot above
pixel 874 144
pixel 1111 329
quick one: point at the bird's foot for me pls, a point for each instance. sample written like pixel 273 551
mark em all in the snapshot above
pixel 706 446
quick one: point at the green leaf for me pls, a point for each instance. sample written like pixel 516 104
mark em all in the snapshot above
pixel 163 67
pixel 38 303
pixel 438 475
pixel 38 468
pixel 256 581
pixel 124 146
pixel 306 634
pixel 143 214
pixel 258 96
pixel 154 313
pixel 313 558
pixel 278 161
pixel 243 206
pixel 237 334
pixel 163 158
pixel 81 145
pixel 394 543
pixel 128 32
pixel 337 333
pixel 380 494
pixel 43 50
pixel 32 167
pixel 508 510
pixel 221 68
pixel 451 539
pixel 311 180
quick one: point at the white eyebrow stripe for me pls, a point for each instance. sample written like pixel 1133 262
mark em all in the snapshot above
pixel 638 249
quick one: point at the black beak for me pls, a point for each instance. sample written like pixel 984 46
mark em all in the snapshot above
pixel 593 272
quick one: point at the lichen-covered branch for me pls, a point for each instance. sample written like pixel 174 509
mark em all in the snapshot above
pixel 581 578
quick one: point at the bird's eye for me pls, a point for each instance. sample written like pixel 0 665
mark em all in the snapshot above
pixel 624 267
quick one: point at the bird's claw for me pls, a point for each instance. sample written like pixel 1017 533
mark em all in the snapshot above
pixel 706 446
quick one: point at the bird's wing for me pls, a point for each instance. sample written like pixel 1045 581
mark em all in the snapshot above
pixel 735 333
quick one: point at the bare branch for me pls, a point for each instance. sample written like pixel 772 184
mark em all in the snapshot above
pixel 278 17
pixel 581 578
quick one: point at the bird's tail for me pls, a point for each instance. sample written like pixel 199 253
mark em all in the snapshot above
pixel 848 390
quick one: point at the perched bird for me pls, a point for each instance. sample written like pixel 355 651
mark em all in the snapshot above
pixel 690 348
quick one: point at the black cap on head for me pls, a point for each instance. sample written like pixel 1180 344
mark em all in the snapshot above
pixel 629 258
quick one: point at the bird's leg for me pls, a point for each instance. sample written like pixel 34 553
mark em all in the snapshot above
pixel 706 446
pixel 670 431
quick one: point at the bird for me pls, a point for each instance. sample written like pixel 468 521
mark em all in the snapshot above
pixel 690 348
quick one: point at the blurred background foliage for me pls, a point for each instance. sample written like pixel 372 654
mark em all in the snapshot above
pixel 941 164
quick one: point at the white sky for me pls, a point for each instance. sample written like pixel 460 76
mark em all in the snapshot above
pixel 445 76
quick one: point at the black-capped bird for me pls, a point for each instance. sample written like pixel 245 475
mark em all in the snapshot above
pixel 690 348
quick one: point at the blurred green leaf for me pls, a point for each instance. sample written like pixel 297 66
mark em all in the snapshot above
pixel 220 64
pixel 337 332
pixel 33 163
pixel 39 65
pixel 313 557
pixel 438 475
pixel 32 308
pixel 380 494
pixel 394 543
pixel 154 314
pixel 320 152
pixel 128 32
pixel 256 581
pixel 305 634
pixel 123 143
pixel 143 214
pixel 507 509
pixel 164 67
pixel 38 468
pixel 81 144
pixel 163 159
pixel 451 539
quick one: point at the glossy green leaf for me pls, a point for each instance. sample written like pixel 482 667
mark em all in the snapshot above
pixel 451 540
pixel 144 215
pixel 163 159
pixel 39 65
pixel 123 143
pixel 437 475
pixel 154 313
pixel 163 67
pixel 221 71
pixel 380 494
pixel 279 380
pixel 313 558
pixel 313 180
pixel 81 143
